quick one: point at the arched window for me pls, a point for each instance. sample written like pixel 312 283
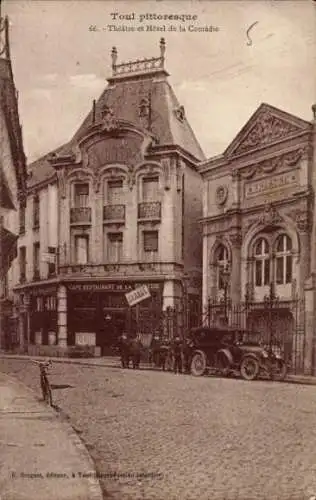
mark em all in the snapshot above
pixel 262 262
pixel 222 265
pixel 283 256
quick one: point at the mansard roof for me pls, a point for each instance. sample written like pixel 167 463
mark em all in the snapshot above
pixel 138 94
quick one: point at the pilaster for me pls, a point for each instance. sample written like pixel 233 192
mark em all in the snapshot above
pixel 235 278
pixel 310 317
pixel 62 315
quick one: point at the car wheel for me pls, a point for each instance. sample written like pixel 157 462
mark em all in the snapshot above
pixel 279 370
pixel 249 368
pixel 198 364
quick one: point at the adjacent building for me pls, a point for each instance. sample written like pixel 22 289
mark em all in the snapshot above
pixel 12 185
pixel 115 208
pixel 259 232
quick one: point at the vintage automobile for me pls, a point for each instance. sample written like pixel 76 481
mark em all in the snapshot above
pixel 227 350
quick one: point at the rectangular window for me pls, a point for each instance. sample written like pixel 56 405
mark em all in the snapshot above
pixel 22 219
pixel 279 270
pixel 36 259
pixel 150 241
pixel 22 261
pixel 50 303
pixel 258 272
pixel 150 189
pixel 115 192
pixel 266 277
pixel 288 270
pixel 81 195
pixel 52 261
pixel 115 247
pixel 36 211
pixel 81 249
pixel 39 304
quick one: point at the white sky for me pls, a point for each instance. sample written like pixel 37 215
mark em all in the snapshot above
pixel 60 66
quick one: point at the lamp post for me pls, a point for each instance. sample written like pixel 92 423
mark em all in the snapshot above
pixel 225 275
pixel 270 301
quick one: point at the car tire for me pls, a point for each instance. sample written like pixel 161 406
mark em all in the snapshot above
pixel 249 368
pixel 280 372
pixel 198 364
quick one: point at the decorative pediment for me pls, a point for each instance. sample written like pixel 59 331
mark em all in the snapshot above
pixel 266 126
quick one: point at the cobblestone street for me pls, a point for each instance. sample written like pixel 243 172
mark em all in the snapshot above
pixel 195 438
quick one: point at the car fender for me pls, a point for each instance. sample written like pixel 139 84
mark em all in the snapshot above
pixel 228 355
pixel 250 355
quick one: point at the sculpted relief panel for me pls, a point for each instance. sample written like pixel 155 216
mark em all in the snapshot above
pixel 267 129
pixel 125 150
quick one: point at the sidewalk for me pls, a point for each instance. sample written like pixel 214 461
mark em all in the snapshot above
pixel 41 456
pixel 114 362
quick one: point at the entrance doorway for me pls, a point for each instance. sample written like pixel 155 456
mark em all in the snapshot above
pixel 280 325
pixel 110 328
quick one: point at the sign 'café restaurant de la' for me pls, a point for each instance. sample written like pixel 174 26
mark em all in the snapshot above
pixel 130 201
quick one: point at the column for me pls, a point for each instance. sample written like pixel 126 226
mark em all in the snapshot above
pixel 62 315
pixel 235 277
pixel 304 259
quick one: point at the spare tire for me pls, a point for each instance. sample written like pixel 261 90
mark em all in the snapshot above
pixel 198 364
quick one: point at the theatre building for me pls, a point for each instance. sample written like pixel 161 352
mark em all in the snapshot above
pixel 115 208
pixel 12 186
pixel 259 235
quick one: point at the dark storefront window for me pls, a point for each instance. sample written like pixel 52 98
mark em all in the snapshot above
pixel 43 318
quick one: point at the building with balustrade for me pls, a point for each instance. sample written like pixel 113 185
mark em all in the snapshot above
pixel 12 184
pixel 114 208
pixel 259 232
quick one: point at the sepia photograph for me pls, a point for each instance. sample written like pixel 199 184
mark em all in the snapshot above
pixel 158 250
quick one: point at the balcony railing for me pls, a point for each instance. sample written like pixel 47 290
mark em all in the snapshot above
pixel 80 215
pixel 149 210
pixel 122 270
pixel 114 212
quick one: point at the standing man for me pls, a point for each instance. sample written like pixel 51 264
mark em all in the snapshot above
pixel 124 350
pixel 177 354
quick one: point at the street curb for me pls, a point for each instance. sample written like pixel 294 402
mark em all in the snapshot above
pixel 94 484
pixel 290 379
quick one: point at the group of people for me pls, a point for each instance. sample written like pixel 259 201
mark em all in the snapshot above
pixel 165 354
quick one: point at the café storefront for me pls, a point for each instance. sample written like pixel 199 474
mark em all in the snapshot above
pixel 98 313
pixel 43 315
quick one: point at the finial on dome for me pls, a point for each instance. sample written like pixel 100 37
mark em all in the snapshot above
pixel 162 46
pixel 114 57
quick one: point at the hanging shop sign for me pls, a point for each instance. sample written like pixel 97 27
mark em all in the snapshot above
pixel 135 296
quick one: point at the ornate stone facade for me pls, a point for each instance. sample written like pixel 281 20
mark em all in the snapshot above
pixel 263 229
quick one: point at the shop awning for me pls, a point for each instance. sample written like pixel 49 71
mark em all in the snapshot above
pixel 8 249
